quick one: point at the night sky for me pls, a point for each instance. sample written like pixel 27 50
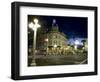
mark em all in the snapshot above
pixel 73 27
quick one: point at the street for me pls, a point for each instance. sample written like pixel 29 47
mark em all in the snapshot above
pixel 44 60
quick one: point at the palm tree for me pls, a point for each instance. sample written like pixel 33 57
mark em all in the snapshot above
pixel 83 41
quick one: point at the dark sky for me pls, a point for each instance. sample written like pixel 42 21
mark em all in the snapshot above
pixel 73 27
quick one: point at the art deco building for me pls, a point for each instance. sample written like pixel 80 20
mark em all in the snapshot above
pixel 52 41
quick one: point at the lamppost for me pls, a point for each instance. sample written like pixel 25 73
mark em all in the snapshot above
pixel 76 44
pixel 34 26
pixel 47 45
pixel 55 46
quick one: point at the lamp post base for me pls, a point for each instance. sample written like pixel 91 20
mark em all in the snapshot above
pixel 33 63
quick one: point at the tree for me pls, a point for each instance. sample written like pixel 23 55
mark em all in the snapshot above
pixel 83 41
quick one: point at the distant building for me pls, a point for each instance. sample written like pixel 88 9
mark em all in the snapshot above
pixel 85 46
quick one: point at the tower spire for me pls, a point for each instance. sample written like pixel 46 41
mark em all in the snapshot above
pixel 54 22
pixel 54 26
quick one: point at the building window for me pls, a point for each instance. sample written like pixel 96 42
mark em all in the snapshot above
pixel 54 36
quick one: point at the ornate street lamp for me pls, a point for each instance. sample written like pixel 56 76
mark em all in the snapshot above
pixel 46 40
pixel 76 44
pixel 34 26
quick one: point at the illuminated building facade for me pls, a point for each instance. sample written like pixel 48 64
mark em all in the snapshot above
pixel 52 41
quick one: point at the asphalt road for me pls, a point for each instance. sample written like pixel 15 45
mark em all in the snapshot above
pixel 60 60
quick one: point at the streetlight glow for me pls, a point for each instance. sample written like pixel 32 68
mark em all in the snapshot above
pixel 34 26
pixel 31 25
pixel 55 46
pixel 36 20
pixel 46 39
pixel 77 42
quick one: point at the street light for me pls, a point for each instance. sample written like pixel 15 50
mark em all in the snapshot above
pixel 76 44
pixel 55 46
pixel 34 26
pixel 46 40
